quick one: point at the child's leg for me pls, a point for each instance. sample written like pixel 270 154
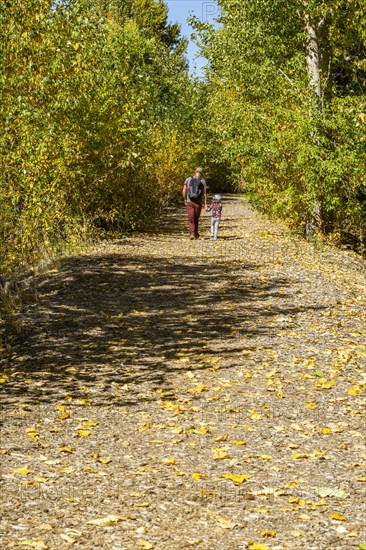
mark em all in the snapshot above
pixel 212 226
pixel 216 227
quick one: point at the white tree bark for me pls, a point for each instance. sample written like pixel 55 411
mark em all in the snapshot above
pixel 313 60
pixel 313 55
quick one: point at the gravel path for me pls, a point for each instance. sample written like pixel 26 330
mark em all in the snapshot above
pixel 172 394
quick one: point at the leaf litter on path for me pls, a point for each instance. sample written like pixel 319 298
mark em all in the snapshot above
pixel 223 385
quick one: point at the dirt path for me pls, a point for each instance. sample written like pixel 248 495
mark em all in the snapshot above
pixel 153 369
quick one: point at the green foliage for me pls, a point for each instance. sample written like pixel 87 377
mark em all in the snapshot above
pixel 263 122
pixel 95 108
pixel 100 122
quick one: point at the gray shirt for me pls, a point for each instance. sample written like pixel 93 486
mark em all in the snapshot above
pixel 200 199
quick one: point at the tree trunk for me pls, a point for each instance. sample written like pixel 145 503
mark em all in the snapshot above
pixel 313 61
pixel 313 56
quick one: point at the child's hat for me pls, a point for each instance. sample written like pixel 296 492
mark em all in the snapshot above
pixel 217 197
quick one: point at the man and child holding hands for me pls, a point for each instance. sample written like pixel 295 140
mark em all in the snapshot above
pixel 194 194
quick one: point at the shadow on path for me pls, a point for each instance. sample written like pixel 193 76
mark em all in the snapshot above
pixel 124 318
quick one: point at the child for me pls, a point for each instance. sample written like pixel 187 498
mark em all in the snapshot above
pixel 216 208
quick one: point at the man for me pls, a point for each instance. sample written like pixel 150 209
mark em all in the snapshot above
pixel 194 193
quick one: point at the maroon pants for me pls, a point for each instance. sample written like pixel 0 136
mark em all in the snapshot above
pixel 193 212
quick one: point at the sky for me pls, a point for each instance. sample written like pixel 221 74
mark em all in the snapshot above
pixel 179 10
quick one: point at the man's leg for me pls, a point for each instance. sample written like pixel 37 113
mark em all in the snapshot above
pixel 197 208
pixel 191 218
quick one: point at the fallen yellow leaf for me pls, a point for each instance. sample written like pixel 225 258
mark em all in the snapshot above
pixel 172 407
pixel 270 491
pixel 145 428
pixel 297 533
pixel 34 543
pixel 83 433
pixel 67 470
pixel 170 460
pixel 215 366
pixel 89 424
pixel 201 431
pixel 268 533
pixel 296 500
pixel 65 450
pixel 219 454
pixel 226 523
pixel 32 434
pixel 196 475
pixel 354 390
pixel 67 538
pixel 235 478
pixel 320 454
pixel 104 460
pixel 84 402
pixel 40 479
pixel 338 517
pixel 198 389
pixel 254 415
pixel 22 471
pixel 106 521
pixel 221 438
pixel 331 492
pixel 324 384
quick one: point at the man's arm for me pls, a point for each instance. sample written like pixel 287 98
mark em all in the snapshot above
pixel 205 196
pixel 185 193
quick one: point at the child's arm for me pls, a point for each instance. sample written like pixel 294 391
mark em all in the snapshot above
pixel 208 208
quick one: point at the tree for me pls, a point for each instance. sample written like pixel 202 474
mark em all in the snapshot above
pixel 95 97
pixel 286 96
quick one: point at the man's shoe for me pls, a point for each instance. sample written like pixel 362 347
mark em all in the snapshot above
pixel 191 237
pixel 196 236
